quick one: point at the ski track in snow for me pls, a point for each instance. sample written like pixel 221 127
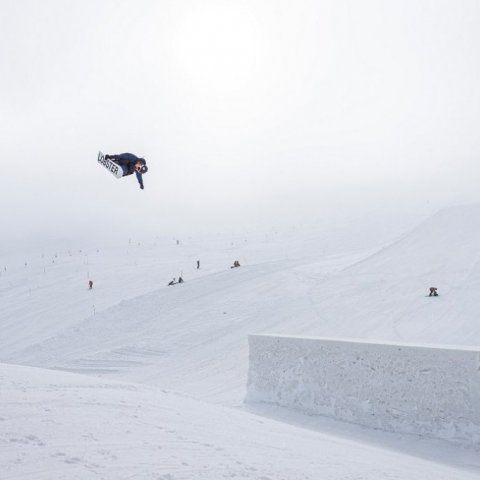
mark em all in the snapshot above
pixel 192 339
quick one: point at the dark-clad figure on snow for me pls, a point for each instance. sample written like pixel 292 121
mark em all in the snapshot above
pixel 130 163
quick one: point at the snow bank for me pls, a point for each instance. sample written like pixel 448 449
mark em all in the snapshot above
pixel 62 426
pixel 419 389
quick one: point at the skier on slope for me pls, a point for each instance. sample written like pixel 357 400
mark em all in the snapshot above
pixel 130 163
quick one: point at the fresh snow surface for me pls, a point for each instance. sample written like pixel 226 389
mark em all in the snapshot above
pixel 173 360
pixel 56 425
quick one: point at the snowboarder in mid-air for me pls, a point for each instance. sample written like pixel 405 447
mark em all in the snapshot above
pixel 130 163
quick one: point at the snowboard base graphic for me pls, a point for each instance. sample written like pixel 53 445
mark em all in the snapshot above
pixel 112 167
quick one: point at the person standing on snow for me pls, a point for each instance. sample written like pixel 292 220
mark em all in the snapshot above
pixel 130 163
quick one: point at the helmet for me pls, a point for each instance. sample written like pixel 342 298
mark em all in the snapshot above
pixel 143 169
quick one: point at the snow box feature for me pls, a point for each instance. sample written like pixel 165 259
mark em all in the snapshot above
pixel 418 389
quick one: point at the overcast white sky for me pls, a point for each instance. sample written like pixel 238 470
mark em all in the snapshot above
pixel 256 112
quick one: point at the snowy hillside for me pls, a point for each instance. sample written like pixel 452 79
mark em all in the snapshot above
pixel 195 334
pixel 64 426
pixel 382 297
pixel 191 339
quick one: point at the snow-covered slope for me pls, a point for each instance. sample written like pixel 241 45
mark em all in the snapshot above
pixel 383 296
pixel 63 426
pixel 45 292
pixel 192 338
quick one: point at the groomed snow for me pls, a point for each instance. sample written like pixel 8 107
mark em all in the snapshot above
pixel 190 340
pixel 69 426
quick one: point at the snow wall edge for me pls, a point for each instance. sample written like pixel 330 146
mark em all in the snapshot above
pixel 416 389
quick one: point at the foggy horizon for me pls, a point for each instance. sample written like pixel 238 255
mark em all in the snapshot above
pixel 251 115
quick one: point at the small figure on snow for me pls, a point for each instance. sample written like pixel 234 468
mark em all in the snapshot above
pixel 198 264
pixel 173 282
pixel 130 163
pixel 90 284
pixel 236 264
pixel 180 280
pixel 433 292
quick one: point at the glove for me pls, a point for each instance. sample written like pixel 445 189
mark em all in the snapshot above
pixel 141 186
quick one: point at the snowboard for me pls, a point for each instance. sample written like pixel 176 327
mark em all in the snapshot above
pixel 112 167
